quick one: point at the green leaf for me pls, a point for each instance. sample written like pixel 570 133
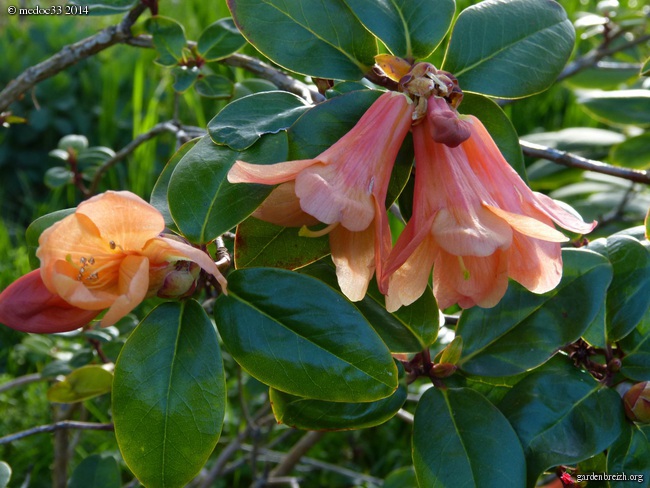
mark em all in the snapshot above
pixel 159 193
pixel 630 454
pixel 96 471
pixel 169 395
pixel 605 75
pixel 5 474
pixel 73 142
pixel 57 177
pixel 402 25
pixel 168 39
pixel 252 85
pixel 35 229
pixel 184 77
pixel 494 338
pixel 307 36
pixel 499 126
pixel 452 351
pixel 259 244
pixel 409 329
pixel 202 202
pixel 219 40
pixel 628 297
pixel 296 334
pixel 461 439
pixel 245 120
pixel 562 417
pixel 308 414
pixel 214 86
pixel 81 384
pixel 625 107
pixel 633 153
pixel 509 49
pixel 401 478
pixel 645 69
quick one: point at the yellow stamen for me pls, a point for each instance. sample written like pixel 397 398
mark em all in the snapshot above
pixel 306 232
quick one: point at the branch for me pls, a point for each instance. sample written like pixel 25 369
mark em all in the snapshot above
pixel 68 56
pixel 571 160
pixel 128 149
pixel 296 453
pixel 21 380
pixel 65 424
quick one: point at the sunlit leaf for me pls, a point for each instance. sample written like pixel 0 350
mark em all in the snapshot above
pixel 633 153
pixel 618 107
pixel 81 384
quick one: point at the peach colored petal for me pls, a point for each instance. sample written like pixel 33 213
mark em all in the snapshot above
pixel 561 216
pixel 267 174
pixel 123 218
pixel 471 233
pixel 528 226
pixel 133 286
pixel 28 306
pixel 325 194
pixel 410 281
pixel 353 254
pixel 535 264
pixel 64 281
pixel 470 280
pixel 171 250
pixel 282 207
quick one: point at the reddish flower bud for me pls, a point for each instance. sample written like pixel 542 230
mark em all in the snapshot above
pixel 181 281
pixel 637 402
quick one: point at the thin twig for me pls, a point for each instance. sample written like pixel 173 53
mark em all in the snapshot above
pixel 68 56
pixel 573 161
pixel 21 380
pixel 128 149
pixel 66 424
pixel 299 449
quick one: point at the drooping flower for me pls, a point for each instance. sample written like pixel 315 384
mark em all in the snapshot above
pixel 475 222
pixel 109 254
pixel 345 187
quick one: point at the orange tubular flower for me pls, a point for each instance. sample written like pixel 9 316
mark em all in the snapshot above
pixel 110 255
pixel 346 185
pixel 474 221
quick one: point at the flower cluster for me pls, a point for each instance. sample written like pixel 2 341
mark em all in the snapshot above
pixel 110 254
pixel 474 222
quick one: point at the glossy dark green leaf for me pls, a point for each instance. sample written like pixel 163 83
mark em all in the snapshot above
pixel 297 335
pixel 57 177
pixel 499 126
pixel 618 107
pixel 525 329
pixel 633 153
pixel 252 85
pixel 214 86
pixel 461 439
pixel 259 244
pixel 81 384
pixel 219 40
pixel 96 471
pixel 184 77
pixel 308 414
pixel 628 297
pixel 562 417
pixel 245 120
pixel 409 28
pixel 159 193
pixel 606 75
pixel 169 395
pixel 202 202
pixel 312 37
pixel 503 49
pixel 168 39
pixel 630 454
pixel 636 347
pixel 5 474
pixel 409 329
pixel 401 478
pixel 35 229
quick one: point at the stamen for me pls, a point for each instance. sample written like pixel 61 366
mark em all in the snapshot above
pixel 91 260
pixel 111 244
pixel 466 274
pixel 82 260
pixel 93 277
pixel 306 232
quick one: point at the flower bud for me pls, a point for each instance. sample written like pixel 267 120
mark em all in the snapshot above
pixel 637 402
pixel 443 370
pixel 181 281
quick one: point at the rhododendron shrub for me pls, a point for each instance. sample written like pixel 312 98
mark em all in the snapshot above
pixel 366 240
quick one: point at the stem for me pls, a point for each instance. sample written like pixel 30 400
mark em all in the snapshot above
pixel 63 425
pixel 296 453
pixel 21 380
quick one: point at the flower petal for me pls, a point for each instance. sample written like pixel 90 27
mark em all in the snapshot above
pixel 560 216
pixel 28 306
pixel 133 286
pixel 267 174
pixel 282 207
pixel 353 254
pixel 528 226
pixel 535 264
